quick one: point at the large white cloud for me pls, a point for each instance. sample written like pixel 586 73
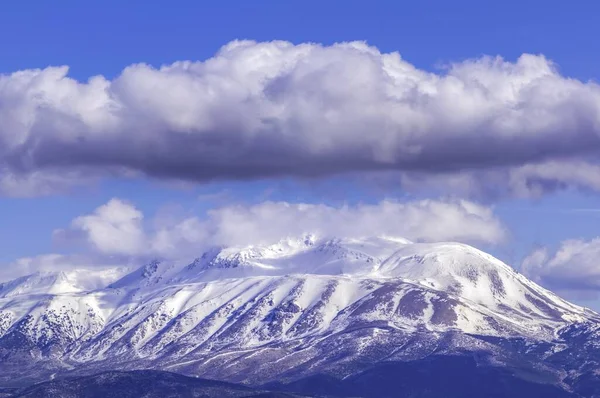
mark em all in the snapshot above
pixel 117 228
pixel 267 109
pixel 574 267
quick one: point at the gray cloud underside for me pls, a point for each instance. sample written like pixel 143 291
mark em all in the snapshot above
pixel 271 109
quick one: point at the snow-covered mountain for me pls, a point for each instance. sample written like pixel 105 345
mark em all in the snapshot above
pixel 300 307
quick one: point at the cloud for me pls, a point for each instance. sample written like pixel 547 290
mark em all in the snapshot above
pixel 113 228
pixel 272 109
pixel 41 263
pixel 78 272
pixel 527 181
pixel 39 182
pixel 117 228
pixel 425 220
pixel 573 267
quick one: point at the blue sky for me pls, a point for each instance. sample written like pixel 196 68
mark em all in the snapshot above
pixel 101 37
pixel 104 37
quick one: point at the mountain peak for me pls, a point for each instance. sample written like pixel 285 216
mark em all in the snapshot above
pixel 308 254
pixel 355 293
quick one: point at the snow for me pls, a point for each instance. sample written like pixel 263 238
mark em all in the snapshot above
pixel 243 298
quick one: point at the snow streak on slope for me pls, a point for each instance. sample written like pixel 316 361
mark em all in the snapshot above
pixel 298 293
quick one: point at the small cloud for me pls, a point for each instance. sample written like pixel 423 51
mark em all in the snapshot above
pixel 113 228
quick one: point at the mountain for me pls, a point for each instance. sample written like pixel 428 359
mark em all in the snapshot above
pixel 455 378
pixel 144 383
pixel 303 307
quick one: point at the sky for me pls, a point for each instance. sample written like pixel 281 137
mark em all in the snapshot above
pixel 136 129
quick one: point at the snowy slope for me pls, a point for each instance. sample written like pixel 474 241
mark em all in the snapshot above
pixel 287 302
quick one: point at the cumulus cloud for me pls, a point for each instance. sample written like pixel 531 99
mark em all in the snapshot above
pixel 573 267
pixel 425 220
pixel 116 227
pixel 113 228
pixel 42 263
pixel 52 262
pixel 259 110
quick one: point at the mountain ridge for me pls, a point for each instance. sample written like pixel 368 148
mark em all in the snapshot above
pixel 286 311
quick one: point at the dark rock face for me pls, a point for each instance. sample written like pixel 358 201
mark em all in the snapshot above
pixel 443 311
pixel 412 304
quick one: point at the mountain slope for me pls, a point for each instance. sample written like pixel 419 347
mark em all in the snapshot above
pixel 455 377
pixel 287 311
pixel 141 384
